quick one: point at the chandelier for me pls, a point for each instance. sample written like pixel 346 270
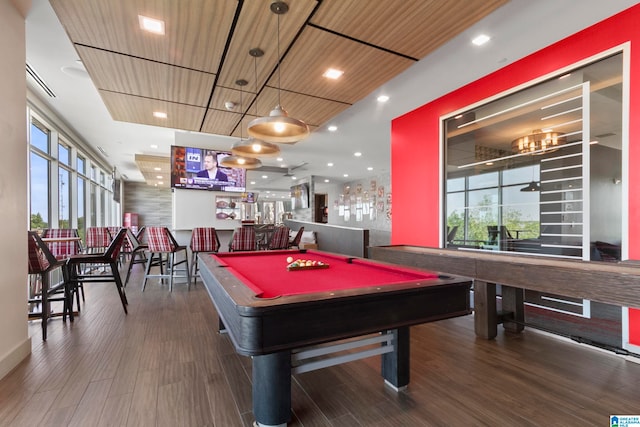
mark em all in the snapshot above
pixel 538 142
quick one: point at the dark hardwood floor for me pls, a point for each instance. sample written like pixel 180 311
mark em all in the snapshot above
pixel 164 364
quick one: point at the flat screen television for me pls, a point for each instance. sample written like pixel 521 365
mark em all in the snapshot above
pixel 300 196
pixel 249 197
pixel 197 169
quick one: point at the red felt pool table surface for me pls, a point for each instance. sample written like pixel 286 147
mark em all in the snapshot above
pixel 266 274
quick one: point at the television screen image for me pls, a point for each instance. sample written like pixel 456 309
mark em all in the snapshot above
pixel 300 196
pixel 198 168
pixel 249 197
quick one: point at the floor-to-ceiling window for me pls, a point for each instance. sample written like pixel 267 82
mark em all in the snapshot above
pixel 39 166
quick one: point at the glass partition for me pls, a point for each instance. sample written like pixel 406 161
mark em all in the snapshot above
pixel 523 171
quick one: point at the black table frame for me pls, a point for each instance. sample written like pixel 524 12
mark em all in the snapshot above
pixel 269 329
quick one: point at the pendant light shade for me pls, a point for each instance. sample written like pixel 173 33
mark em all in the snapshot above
pixel 278 126
pixel 255 148
pixel 532 186
pixel 240 162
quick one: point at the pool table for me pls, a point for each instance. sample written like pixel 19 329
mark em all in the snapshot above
pixel 277 316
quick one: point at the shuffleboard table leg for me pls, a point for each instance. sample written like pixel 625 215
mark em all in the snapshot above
pixel 484 309
pixel 395 365
pixel 513 308
pixel 271 374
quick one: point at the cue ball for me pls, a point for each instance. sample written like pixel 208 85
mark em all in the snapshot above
pixel 289 259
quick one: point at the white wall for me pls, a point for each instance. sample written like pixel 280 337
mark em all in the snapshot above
pixel 15 343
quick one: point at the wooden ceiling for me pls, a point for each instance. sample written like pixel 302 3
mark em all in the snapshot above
pixel 191 71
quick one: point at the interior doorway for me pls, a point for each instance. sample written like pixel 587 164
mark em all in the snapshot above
pixel 321 209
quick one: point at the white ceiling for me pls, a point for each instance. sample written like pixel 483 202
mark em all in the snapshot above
pixel 517 29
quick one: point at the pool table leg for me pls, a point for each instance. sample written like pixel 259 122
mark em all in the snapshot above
pixel 395 365
pixel 272 389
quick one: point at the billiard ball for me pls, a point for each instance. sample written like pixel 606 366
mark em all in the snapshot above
pixel 289 259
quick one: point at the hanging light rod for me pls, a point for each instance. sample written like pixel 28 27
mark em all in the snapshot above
pixel 254 147
pixel 237 160
pixel 278 127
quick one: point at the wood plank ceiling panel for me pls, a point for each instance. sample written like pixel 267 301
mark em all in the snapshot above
pixel 317 50
pixel 257 28
pixel 125 74
pixel 129 108
pixel 220 122
pixel 409 27
pixel 196 31
pixel 312 110
pixel 153 167
pixel 223 94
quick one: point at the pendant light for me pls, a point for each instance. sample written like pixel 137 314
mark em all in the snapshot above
pixel 235 161
pixel 254 147
pixel 278 126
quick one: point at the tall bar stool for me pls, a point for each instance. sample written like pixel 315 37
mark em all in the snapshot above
pixel 161 242
pixel 107 258
pixel 203 239
pixel 41 264
pixel 279 239
pixel 136 246
pixel 243 239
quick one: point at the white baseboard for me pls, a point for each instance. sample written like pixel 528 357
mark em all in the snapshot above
pixel 14 357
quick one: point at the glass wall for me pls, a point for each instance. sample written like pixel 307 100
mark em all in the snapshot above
pixel 523 171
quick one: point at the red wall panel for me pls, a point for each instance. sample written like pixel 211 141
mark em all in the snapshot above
pixel 415 143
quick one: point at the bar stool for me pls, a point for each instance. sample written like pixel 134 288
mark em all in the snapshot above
pixel 243 239
pixel 107 258
pixel 279 239
pixel 42 263
pixel 203 239
pixel 161 242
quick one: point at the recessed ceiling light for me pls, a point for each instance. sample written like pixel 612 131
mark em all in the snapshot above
pixel 481 39
pixel 157 169
pixel 357 154
pixel 253 183
pixel 265 176
pixel 294 177
pixel 370 168
pixel 160 114
pixel 329 164
pixel 383 98
pixel 154 145
pixel 279 159
pixel 326 180
pixel 346 175
pixel 151 25
pixel 332 128
pixel 333 74
pixel 160 182
pixel 159 176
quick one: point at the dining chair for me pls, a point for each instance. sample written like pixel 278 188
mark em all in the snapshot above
pixel 41 263
pixel 109 257
pixel 243 239
pixel 279 239
pixel 161 242
pixel 295 242
pixel 203 239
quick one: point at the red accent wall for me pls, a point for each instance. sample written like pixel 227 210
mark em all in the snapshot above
pixel 415 146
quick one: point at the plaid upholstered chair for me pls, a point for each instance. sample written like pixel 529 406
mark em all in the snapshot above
pixel 161 242
pixel 107 258
pixel 63 249
pixel 42 292
pixel 203 239
pixel 97 239
pixel 243 239
pixel 279 239
pixel 295 242
pixel 136 247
